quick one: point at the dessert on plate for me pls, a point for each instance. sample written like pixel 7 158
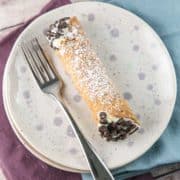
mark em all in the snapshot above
pixel 114 117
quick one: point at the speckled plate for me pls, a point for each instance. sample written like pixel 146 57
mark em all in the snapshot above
pixel 136 60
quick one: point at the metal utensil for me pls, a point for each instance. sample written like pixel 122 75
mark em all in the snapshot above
pixel 50 83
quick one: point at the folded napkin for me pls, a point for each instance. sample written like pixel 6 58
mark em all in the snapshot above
pixel 16 162
pixel 163 16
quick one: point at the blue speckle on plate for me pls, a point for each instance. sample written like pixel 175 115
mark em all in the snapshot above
pixel 127 95
pixel 149 87
pixel 141 131
pixel 138 116
pixel 57 110
pixel 77 98
pixel 112 57
pixel 141 76
pixel 39 127
pixel 135 47
pixel 58 121
pixel 91 17
pixel 130 143
pixel 26 94
pixel 157 102
pixel 136 27
pixel 114 32
pixel 70 132
pixel 73 151
pixel 23 69
pixel 154 67
pixel 29 101
pixel 108 26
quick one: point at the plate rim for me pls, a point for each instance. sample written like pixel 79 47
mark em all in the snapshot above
pixel 162 45
pixel 34 151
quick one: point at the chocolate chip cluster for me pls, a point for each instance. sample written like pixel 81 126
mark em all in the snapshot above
pixel 56 30
pixel 115 130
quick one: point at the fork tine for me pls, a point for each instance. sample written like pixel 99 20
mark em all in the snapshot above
pixel 37 63
pixel 43 71
pixel 33 68
pixel 43 65
pixel 49 67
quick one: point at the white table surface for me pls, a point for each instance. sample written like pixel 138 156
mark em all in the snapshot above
pixel 14 13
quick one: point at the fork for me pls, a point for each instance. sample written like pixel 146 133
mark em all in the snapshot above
pixel 50 83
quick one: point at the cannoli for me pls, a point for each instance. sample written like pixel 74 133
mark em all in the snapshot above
pixel 113 115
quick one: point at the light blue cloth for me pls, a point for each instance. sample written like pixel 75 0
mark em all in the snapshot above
pixel 164 17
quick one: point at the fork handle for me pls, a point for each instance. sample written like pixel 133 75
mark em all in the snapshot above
pixel 97 167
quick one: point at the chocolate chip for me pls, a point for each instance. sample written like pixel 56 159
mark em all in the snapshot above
pixel 109 138
pixel 133 126
pixel 120 121
pixel 115 139
pixel 50 34
pixel 128 129
pixel 134 130
pixel 106 134
pixel 110 128
pixel 62 23
pixel 103 115
pixel 128 122
pixel 64 19
pixel 119 127
pixel 113 125
pixel 123 136
pixel 51 43
pixel 103 121
pixel 115 130
pixel 57 35
pixel 122 132
pixel 102 129
pixel 124 123
pixel 114 133
pixel 125 128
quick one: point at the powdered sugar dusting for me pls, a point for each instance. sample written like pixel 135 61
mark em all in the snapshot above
pixel 88 67
pixel 84 65
pixel 92 73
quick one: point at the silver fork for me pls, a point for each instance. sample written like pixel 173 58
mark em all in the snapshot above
pixel 50 83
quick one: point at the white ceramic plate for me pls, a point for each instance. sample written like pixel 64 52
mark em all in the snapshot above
pixel 136 60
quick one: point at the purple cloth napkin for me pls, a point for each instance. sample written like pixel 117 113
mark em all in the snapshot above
pixel 17 162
